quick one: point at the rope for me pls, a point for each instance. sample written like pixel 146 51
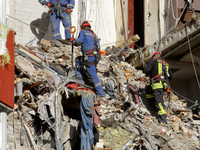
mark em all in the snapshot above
pixel 173 27
pixel 195 71
pixel 192 8
pixel 118 42
pixel 182 96
pixel 181 15
pixel 113 43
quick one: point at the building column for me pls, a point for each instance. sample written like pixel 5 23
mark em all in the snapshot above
pixel 3 128
pixel 3 11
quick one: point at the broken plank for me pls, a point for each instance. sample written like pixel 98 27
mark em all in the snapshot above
pixel 17 80
pixel 32 86
pixel 31 105
pixel 131 40
pixel 45 42
pixel 33 53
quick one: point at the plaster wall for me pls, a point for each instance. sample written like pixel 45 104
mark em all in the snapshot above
pixel 154 27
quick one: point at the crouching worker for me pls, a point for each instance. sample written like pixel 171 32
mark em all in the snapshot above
pixel 91 55
pixel 159 72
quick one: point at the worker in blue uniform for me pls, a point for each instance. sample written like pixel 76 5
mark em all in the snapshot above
pixel 59 10
pixel 159 71
pixel 91 55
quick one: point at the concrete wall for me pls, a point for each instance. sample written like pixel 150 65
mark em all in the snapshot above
pixel 104 16
pixel 150 19
pixel 20 14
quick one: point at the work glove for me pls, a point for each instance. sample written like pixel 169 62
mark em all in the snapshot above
pixel 72 39
pixel 48 4
pixel 68 10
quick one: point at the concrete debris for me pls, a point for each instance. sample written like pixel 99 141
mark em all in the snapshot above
pixel 48 105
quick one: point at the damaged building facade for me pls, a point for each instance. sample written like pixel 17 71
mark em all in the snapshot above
pixel 175 26
pixel 51 104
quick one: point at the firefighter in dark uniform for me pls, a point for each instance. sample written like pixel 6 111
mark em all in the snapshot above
pixel 159 72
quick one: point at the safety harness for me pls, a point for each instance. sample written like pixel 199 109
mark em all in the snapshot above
pixel 58 9
pixel 95 52
pixel 158 81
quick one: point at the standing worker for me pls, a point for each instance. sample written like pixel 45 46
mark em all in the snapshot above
pixel 159 72
pixel 91 55
pixel 60 10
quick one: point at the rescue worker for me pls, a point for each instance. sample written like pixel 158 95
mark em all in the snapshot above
pixel 91 55
pixel 59 10
pixel 159 72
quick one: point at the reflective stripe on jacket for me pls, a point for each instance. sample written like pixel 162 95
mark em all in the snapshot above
pixel 156 69
pixel 148 96
pixel 159 85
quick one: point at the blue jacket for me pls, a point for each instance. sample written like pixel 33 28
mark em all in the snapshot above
pixel 69 3
pixel 86 40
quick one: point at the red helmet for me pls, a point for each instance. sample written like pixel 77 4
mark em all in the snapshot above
pixel 85 23
pixel 155 53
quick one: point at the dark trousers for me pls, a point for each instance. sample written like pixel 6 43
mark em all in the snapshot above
pixel 149 101
pixel 159 103
pixel 90 72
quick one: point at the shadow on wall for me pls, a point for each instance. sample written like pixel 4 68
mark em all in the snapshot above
pixel 41 28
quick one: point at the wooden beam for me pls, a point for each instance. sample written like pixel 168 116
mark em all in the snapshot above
pixel 33 53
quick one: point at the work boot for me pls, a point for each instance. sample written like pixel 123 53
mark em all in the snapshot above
pixel 162 122
pixel 162 118
pixel 56 43
pixel 65 41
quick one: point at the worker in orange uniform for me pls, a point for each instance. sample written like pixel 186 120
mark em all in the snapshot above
pixel 159 72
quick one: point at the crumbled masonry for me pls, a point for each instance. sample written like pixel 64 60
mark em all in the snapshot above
pixel 48 112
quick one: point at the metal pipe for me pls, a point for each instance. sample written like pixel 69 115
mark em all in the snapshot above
pixel 123 21
pixel 57 123
pixel 158 23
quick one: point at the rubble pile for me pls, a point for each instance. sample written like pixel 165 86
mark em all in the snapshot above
pixel 48 105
